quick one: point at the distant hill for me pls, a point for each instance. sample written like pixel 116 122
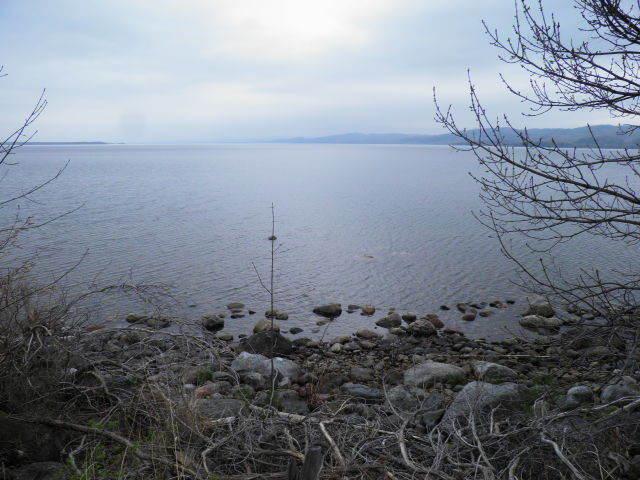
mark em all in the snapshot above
pixel 608 136
pixel 69 143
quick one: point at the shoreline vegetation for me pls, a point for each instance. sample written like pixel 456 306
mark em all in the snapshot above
pixel 423 401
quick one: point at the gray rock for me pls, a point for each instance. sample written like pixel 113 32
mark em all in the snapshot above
pixel 422 328
pixel 255 380
pixel 479 397
pixel 289 401
pixel 469 317
pixel 430 372
pixel 213 323
pixel 493 372
pixel 216 408
pixel 611 393
pixel 295 330
pixel 157 323
pixel 135 318
pixel 330 311
pixel 361 374
pixel 539 305
pixel 224 336
pixel 249 362
pixel 539 322
pixel 361 391
pixel 577 396
pixel 408 399
pixel 367 334
pixel 235 306
pixel 267 343
pixel 390 321
pixel 336 348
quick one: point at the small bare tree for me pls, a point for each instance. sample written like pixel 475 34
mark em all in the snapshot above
pixel 549 194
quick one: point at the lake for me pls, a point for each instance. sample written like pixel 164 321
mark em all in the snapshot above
pixel 386 225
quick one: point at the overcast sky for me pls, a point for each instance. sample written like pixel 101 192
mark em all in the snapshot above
pixel 211 70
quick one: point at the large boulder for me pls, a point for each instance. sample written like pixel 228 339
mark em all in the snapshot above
pixel 539 322
pixel 478 398
pixel 330 311
pixel 266 343
pixel 429 372
pixel 249 362
pixel 493 372
pixel 539 305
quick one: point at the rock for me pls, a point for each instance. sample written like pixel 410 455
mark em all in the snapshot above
pixel 237 315
pixel 408 399
pixel 295 330
pixel 361 374
pixel 224 336
pixel 611 393
pixel 135 318
pixel 267 343
pixel 538 305
pixel 341 339
pixel 282 316
pixel 444 308
pixel 248 362
pixel 209 388
pixel 289 401
pixel 361 391
pixel 390 321
pixel 265 325
pixel 216 408
pixel 421 328
pixel 353 307
pixel 367 334
pixel 479 397
pixel 462 307
pixel 539 322
pixel 577 396
pixel 429 373
pixel 484 313
pixel 493 372
pixel 157 322
pixel 469 317
pixel 255 380
pixel 368 310
pixel 336 348
pixel 409 317
pixel 434 320
pixel 212 323
pixel 42 471
pixel 330 311
pixel 235 306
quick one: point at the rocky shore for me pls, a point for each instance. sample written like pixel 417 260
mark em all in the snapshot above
pixel 419 376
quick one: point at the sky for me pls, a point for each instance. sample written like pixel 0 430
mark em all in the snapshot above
pixel 171 71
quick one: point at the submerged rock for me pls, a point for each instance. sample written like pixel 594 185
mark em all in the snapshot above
pixel 539 305
pixel 265 325
pixel 212 323
pixel 536 322
pixel 330 311
pixel 235 306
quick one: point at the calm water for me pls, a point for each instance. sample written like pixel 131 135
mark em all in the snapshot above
pixel 387 225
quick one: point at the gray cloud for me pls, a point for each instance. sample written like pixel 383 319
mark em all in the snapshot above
pixel 199 70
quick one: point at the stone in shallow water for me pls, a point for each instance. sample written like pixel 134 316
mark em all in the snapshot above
pixel 265 325
pixel 235 306
pixel 212 322
pixel 539 305
pixel 267 343
pixel 390 321
pixel 536 322
pixel 367 334
pixel 331 310
pixel 368 310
